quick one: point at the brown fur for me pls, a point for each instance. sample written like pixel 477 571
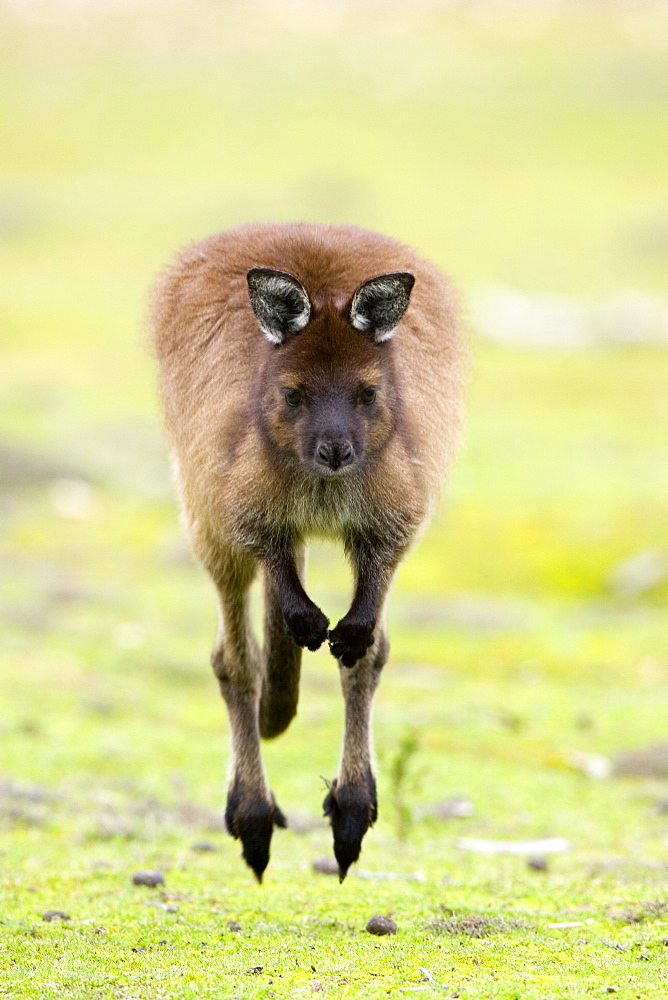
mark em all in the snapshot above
pixel 251 494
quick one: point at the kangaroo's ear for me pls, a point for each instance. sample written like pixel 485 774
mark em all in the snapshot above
pixel 379 304
pixel 279 301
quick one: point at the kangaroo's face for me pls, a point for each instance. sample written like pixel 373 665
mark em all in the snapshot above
pixel 328 401
pixel 329 395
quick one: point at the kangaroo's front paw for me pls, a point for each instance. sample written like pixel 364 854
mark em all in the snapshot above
pixel 349 642
pixel 307 628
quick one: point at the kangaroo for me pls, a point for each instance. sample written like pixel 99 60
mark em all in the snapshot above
pixel 311 380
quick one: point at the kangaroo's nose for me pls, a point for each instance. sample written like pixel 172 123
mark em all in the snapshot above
pixel 334 454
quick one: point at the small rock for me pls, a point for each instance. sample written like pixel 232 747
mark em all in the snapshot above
pixel 543 845
pixel 202 846
pixel 167 907
pixel 150 878
pixel 381 925
pixel 538 863
pixel 325 866
pixel 55 915
pixel 456 807
pixel 593 765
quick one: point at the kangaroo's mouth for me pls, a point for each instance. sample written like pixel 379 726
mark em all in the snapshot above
pixel 328 472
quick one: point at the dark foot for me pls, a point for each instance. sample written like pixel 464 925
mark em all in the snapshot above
pixel 307 628
pixel 349 643
pixel 252 821
pixel 352 809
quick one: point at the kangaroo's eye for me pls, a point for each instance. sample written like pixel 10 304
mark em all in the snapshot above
pixel 368 395
pixel 293 397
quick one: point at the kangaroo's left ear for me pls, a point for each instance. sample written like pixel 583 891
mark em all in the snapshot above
pixel 280 302
pixel 379 304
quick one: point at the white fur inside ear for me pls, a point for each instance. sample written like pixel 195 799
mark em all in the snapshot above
pixel 379 304
pixel 359 321
pixel 380 338
pixel 279 301
pixel 272 337
pixel 298 322
pixel 294 326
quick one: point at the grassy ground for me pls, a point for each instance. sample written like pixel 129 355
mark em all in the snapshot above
pixel 524 148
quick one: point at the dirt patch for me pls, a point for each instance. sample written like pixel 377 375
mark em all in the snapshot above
pixel 648 910
pixel 23 804
pixel 475 925
pixel 108 812
pixel 644 762
pixel 51 915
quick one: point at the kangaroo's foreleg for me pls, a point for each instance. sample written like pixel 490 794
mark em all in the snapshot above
pixel 251 812
pixel 304 621
pixel 374 562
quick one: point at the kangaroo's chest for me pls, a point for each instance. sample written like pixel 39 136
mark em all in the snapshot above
pixel 325 507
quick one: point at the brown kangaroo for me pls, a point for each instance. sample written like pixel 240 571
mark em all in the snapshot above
pixel 311 379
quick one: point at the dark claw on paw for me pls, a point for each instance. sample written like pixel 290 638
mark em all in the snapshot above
pixel 307 628
pixel 349 643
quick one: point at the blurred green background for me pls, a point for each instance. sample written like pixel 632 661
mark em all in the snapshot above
pixel 515 144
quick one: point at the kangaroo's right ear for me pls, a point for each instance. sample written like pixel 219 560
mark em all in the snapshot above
pixel 279 301
pixel 379 304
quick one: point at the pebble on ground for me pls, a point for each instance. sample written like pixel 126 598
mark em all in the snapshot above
pixel 381 925
pixel 149 878
pixel 203 846
pixel 326 866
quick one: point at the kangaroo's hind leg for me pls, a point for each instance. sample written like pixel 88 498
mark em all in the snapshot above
pixel 251 812
pixel 351 802
pixel 360 644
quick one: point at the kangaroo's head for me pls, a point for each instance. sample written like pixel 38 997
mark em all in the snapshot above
pixel 329 395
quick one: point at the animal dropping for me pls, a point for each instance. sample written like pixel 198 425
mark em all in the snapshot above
pixel 311 381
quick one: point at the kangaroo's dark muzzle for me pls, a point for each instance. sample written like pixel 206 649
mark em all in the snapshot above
pixel 334 454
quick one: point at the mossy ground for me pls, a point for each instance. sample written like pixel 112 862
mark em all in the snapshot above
pixel 525 146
